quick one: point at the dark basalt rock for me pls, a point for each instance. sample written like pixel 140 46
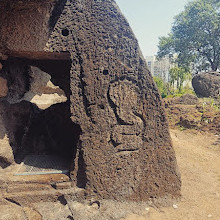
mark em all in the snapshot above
pixel 207 84
pixel 124 150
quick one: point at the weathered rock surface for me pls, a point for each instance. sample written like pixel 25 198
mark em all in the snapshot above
pixel 207 84
pixel 12 212
pixel 15 122
pixel 53 210
pixel 42 91
pixel 6 154
pixel 119 110
pixel 17 74
pixel 124 151
pixel 3 87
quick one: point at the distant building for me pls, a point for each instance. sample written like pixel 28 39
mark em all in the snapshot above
pixel 160 68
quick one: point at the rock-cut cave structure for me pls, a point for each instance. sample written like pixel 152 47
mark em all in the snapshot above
pixel 106 114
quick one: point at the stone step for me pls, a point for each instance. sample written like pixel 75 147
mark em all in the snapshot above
pixel 30 189
pixel 50 178
pixel 27 197
pixel 19 187
pixel 63 185
pixel 12 188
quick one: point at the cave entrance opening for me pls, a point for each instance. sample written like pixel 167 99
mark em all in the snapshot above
pixel 49 137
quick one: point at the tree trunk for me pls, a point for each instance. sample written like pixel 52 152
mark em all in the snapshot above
pixel 214 66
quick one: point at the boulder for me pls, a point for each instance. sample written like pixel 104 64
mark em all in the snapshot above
pixel 207 84
pixel 124 151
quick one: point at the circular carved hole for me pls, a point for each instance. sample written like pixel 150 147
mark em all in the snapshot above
pixel 102 106
pixel 65 32
pixel 105 72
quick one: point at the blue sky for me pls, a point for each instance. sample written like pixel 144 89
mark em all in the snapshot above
pixel 150 19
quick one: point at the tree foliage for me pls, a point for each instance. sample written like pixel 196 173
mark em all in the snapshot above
pixel 162 86
pixel 175 87
pixel 177 76
pixel 195 36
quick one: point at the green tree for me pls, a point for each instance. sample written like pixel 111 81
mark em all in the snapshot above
pixel 177 76
pixel 195 36
pixel 162 86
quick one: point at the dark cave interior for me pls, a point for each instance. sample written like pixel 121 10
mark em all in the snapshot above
pixel 33 131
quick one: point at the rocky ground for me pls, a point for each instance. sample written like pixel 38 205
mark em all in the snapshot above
pixel 198 157
pixel 195 131
pixel 189 112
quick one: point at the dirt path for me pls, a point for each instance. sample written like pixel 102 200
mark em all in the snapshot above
pixel 198 157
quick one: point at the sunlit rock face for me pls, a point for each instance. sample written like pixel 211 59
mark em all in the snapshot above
pixel 124 150
pixel 42 91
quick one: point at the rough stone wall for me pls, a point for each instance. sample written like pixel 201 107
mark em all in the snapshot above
pixel 15 113
pixel 125 150
pixel 17 74
pixel 3 87
pixel 125 144
pixel 6 154
pixel 26 25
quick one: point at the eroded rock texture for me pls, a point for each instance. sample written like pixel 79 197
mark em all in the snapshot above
pixel 207 84
pixel 42 91
pixel 3 87
pixel 124 151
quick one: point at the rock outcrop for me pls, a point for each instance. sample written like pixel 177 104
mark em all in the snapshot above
pixel 207 84
pixel 124 151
